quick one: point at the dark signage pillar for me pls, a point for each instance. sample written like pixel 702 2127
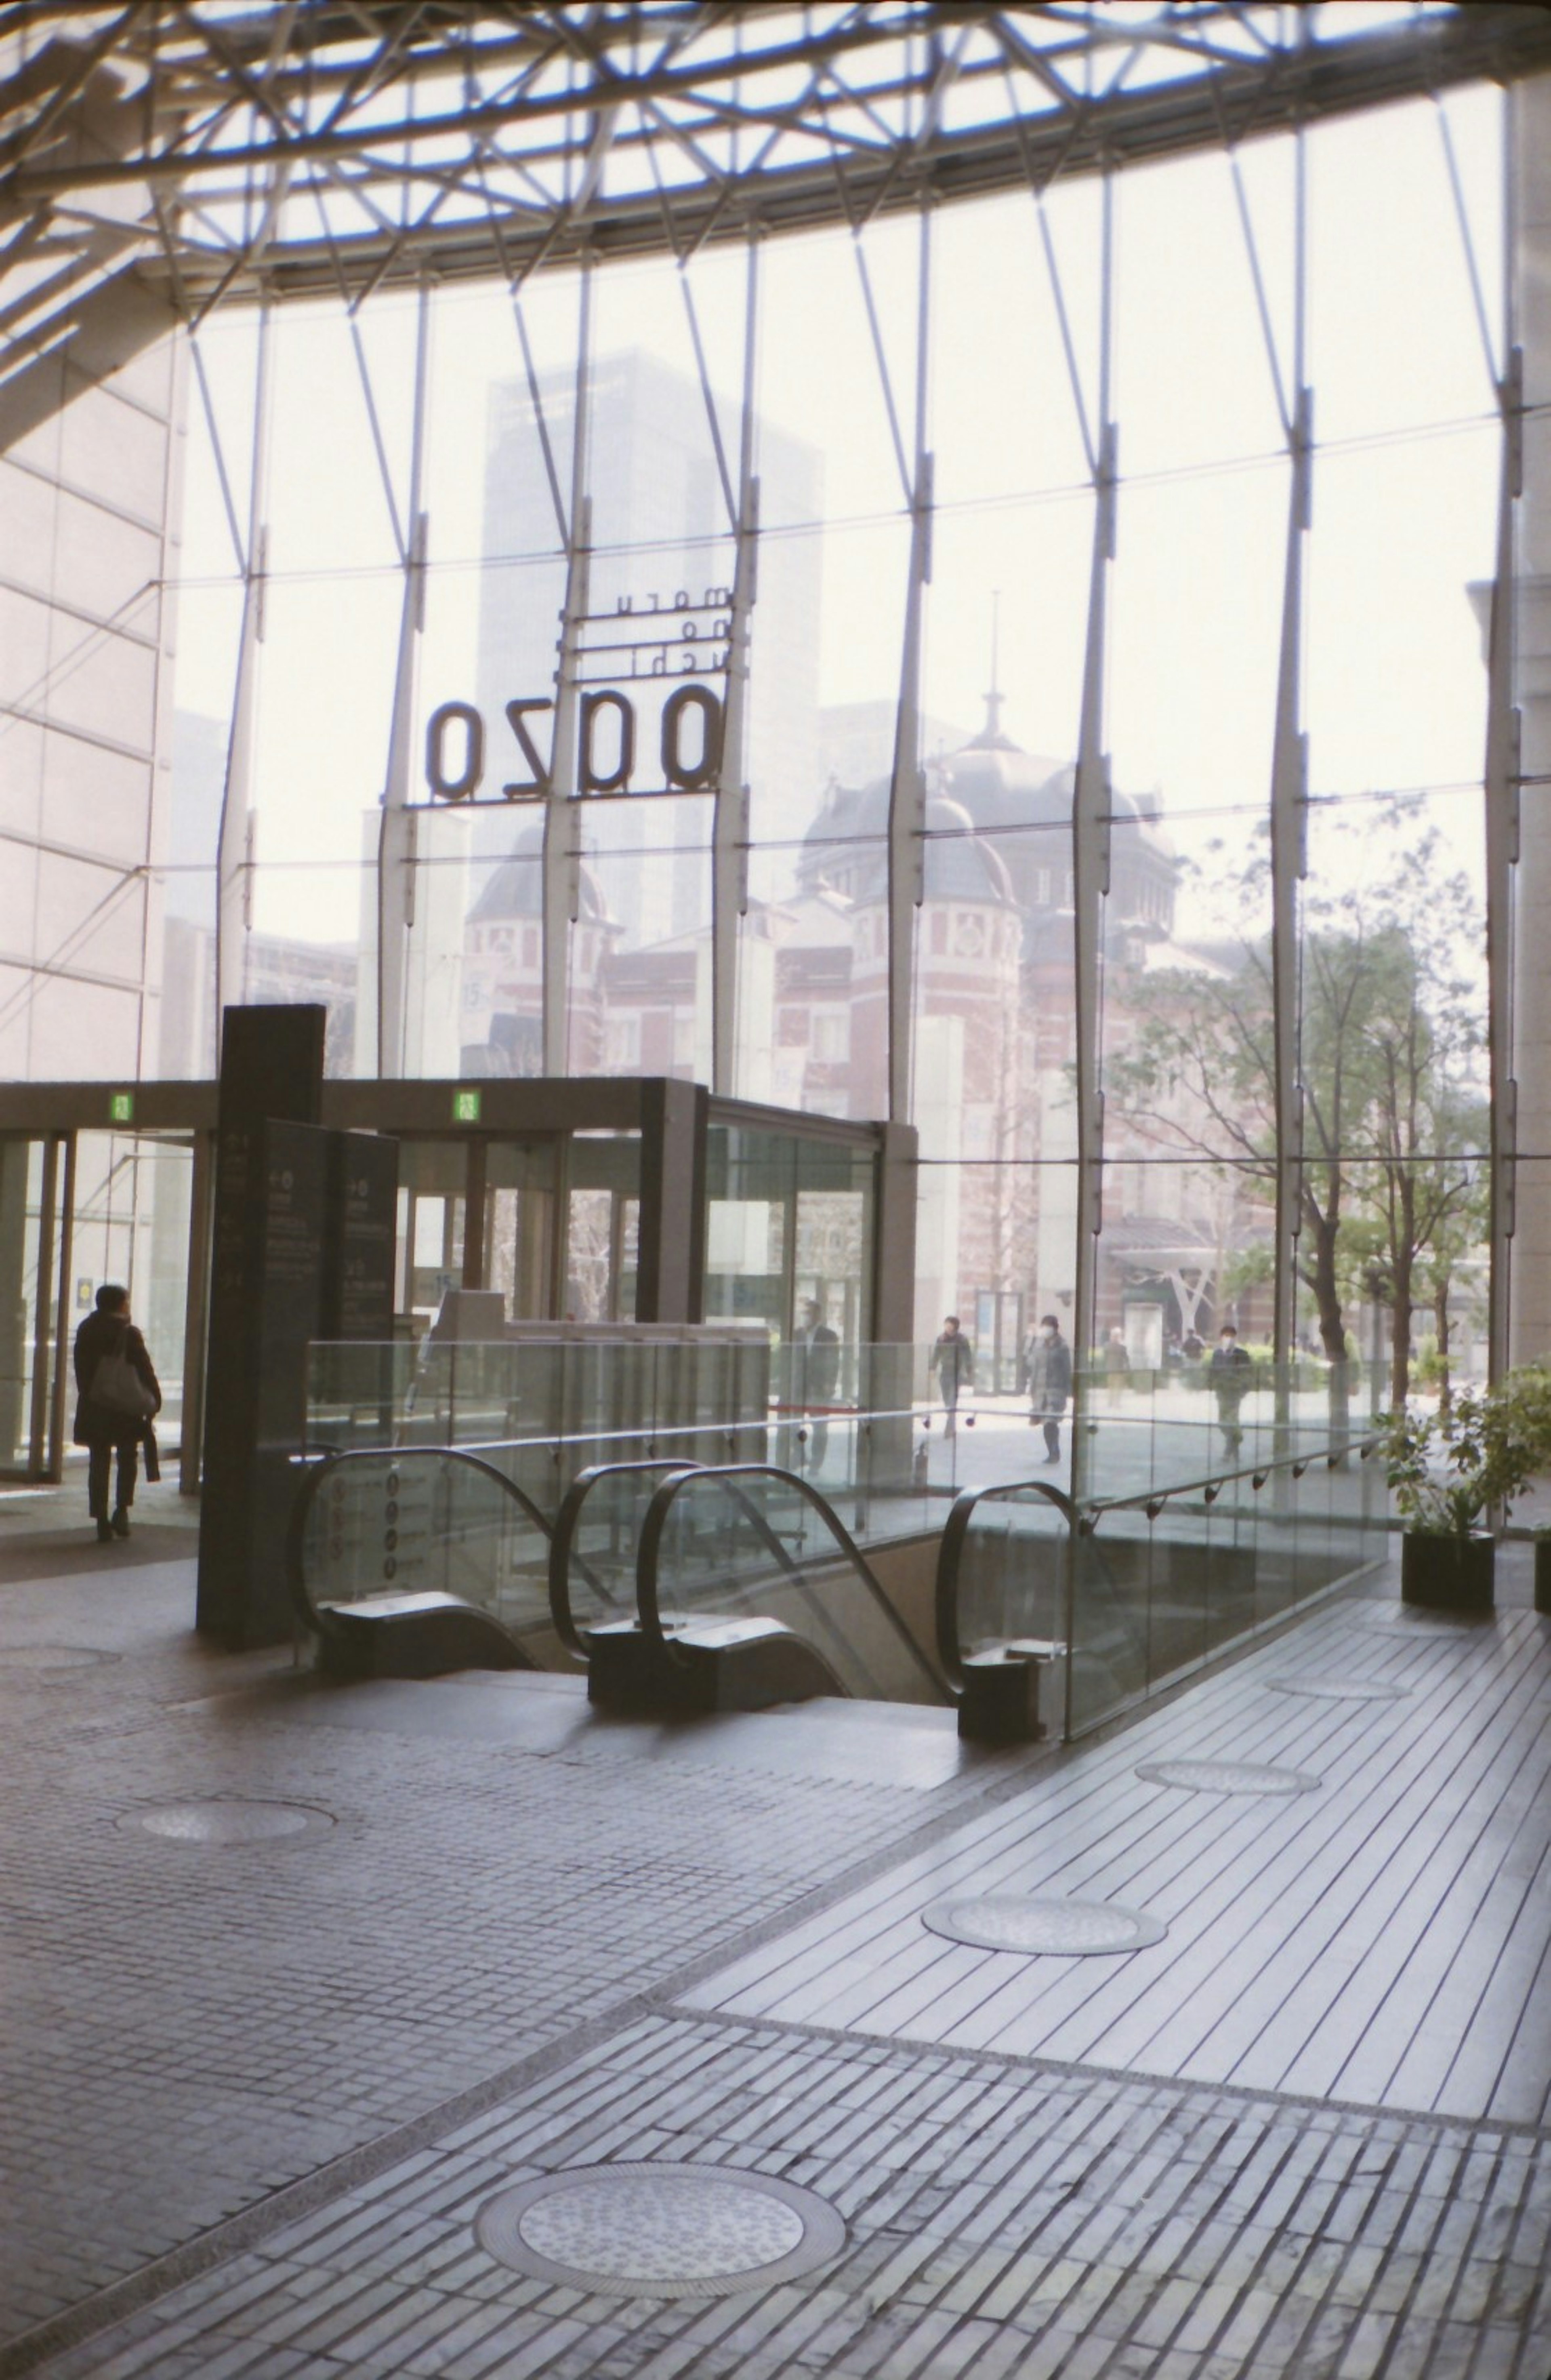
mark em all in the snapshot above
pixel 303 1250
pixel 265 1303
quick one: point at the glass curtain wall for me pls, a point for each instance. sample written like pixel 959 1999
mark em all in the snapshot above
pixel 1019 673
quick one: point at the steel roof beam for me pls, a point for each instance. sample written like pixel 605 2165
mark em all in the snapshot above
pixel 610 120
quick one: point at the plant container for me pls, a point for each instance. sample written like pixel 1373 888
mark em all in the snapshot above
pixel 1542 1573
pixel 1449 1573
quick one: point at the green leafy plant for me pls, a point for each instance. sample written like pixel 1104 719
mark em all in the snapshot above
pixel 1447 1468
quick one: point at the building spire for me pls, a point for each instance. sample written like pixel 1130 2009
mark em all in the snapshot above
pixel 992 733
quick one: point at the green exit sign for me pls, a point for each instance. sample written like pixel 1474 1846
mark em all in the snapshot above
pixel 465 1107
pixel 121 1107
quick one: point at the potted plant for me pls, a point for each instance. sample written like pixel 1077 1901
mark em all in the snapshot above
pixel 1543 1569
pixel 1448 1468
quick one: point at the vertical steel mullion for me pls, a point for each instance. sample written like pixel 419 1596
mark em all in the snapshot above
pixel 232 860
pixel 1090 880
pixel 1502 782
pixel 907 792
pixel 560 864
pixel 1090 877
pixel 729 831
pixel 395 846
pixel 1288 819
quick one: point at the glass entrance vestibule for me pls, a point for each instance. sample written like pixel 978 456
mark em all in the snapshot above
pixel 578 1201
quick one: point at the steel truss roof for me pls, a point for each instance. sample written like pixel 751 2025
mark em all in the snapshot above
pixel 224 148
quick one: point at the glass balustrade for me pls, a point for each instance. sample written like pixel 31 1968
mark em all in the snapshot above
pixel 752 1542
pixel 410 1520
pixel 1198 1520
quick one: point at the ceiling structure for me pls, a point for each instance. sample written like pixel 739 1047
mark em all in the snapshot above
pixel 159 158
pixel 220 149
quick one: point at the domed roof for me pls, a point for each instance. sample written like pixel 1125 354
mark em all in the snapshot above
pixel 1001 787
pixel 958 865
pixel 516 888
pixel 990 788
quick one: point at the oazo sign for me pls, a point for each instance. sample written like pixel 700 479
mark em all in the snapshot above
pixel 689 743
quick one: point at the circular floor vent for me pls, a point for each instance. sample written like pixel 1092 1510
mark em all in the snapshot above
pixel 1226 1777
pixel 1063 1929
pixel 659 2231
pixel 44 1658
pixel 1342 1690
pixel 219 1822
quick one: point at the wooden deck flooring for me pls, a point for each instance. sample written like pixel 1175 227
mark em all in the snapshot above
pixel 1385 1939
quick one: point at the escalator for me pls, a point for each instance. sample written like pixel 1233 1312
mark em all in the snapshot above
pixel 748 1590
pixel 409 1561
pixel 674 1588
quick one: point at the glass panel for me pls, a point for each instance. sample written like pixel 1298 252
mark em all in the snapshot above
pixel 432 1197
pixel 1012 1573
pixel 21 1186
pixel 328 505
pixel 996 1245
pixel 814 333
pixel 1004 419
pixel 519 1225
pixel 1192 682
pixel 1395 1125
pixel 501 1030
pixel 1164 1580
pixel 1194 381
pixel 1401 533
pixel 645 1007
pixel 1393 334
pixel 755 1548
pixel 602 1212
pixel 409 1521
pixel 131 1226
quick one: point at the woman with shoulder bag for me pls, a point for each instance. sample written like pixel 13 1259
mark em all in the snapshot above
pixel 118 1393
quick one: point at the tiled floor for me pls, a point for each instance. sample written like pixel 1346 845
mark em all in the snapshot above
pixel 255 2095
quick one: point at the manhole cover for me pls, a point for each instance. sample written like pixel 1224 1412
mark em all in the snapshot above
pixel 1226 1777
pixel 659 2231
pixel 53 1656
pixel 1344 1690
pixel 1068 1929
pixel 226 1822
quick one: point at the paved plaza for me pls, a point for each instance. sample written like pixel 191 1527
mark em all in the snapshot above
pixel 450 2030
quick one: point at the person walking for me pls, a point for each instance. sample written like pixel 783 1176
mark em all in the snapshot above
pixel 117 1393
pixel 1048 1365
pixel 953 1362
pixel 1116 1367
pixel 1231 1369
pixel 819 1369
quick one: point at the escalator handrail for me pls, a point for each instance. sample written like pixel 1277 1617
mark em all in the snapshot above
pixel 950 1546
pixel 656 1521
pixel 562 1538
pixel 323 1464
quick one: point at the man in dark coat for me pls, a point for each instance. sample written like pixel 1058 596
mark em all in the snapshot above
pixel 819 1371
pixel 953 1362
pixel 105 1429
pixel 1047 1368
pixel 1231 1374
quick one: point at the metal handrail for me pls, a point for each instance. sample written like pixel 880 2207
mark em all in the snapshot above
pixel 955 1530
pixel 1152 1500
pixel 320 1467
pixel 563 1536
pixel 656 1521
